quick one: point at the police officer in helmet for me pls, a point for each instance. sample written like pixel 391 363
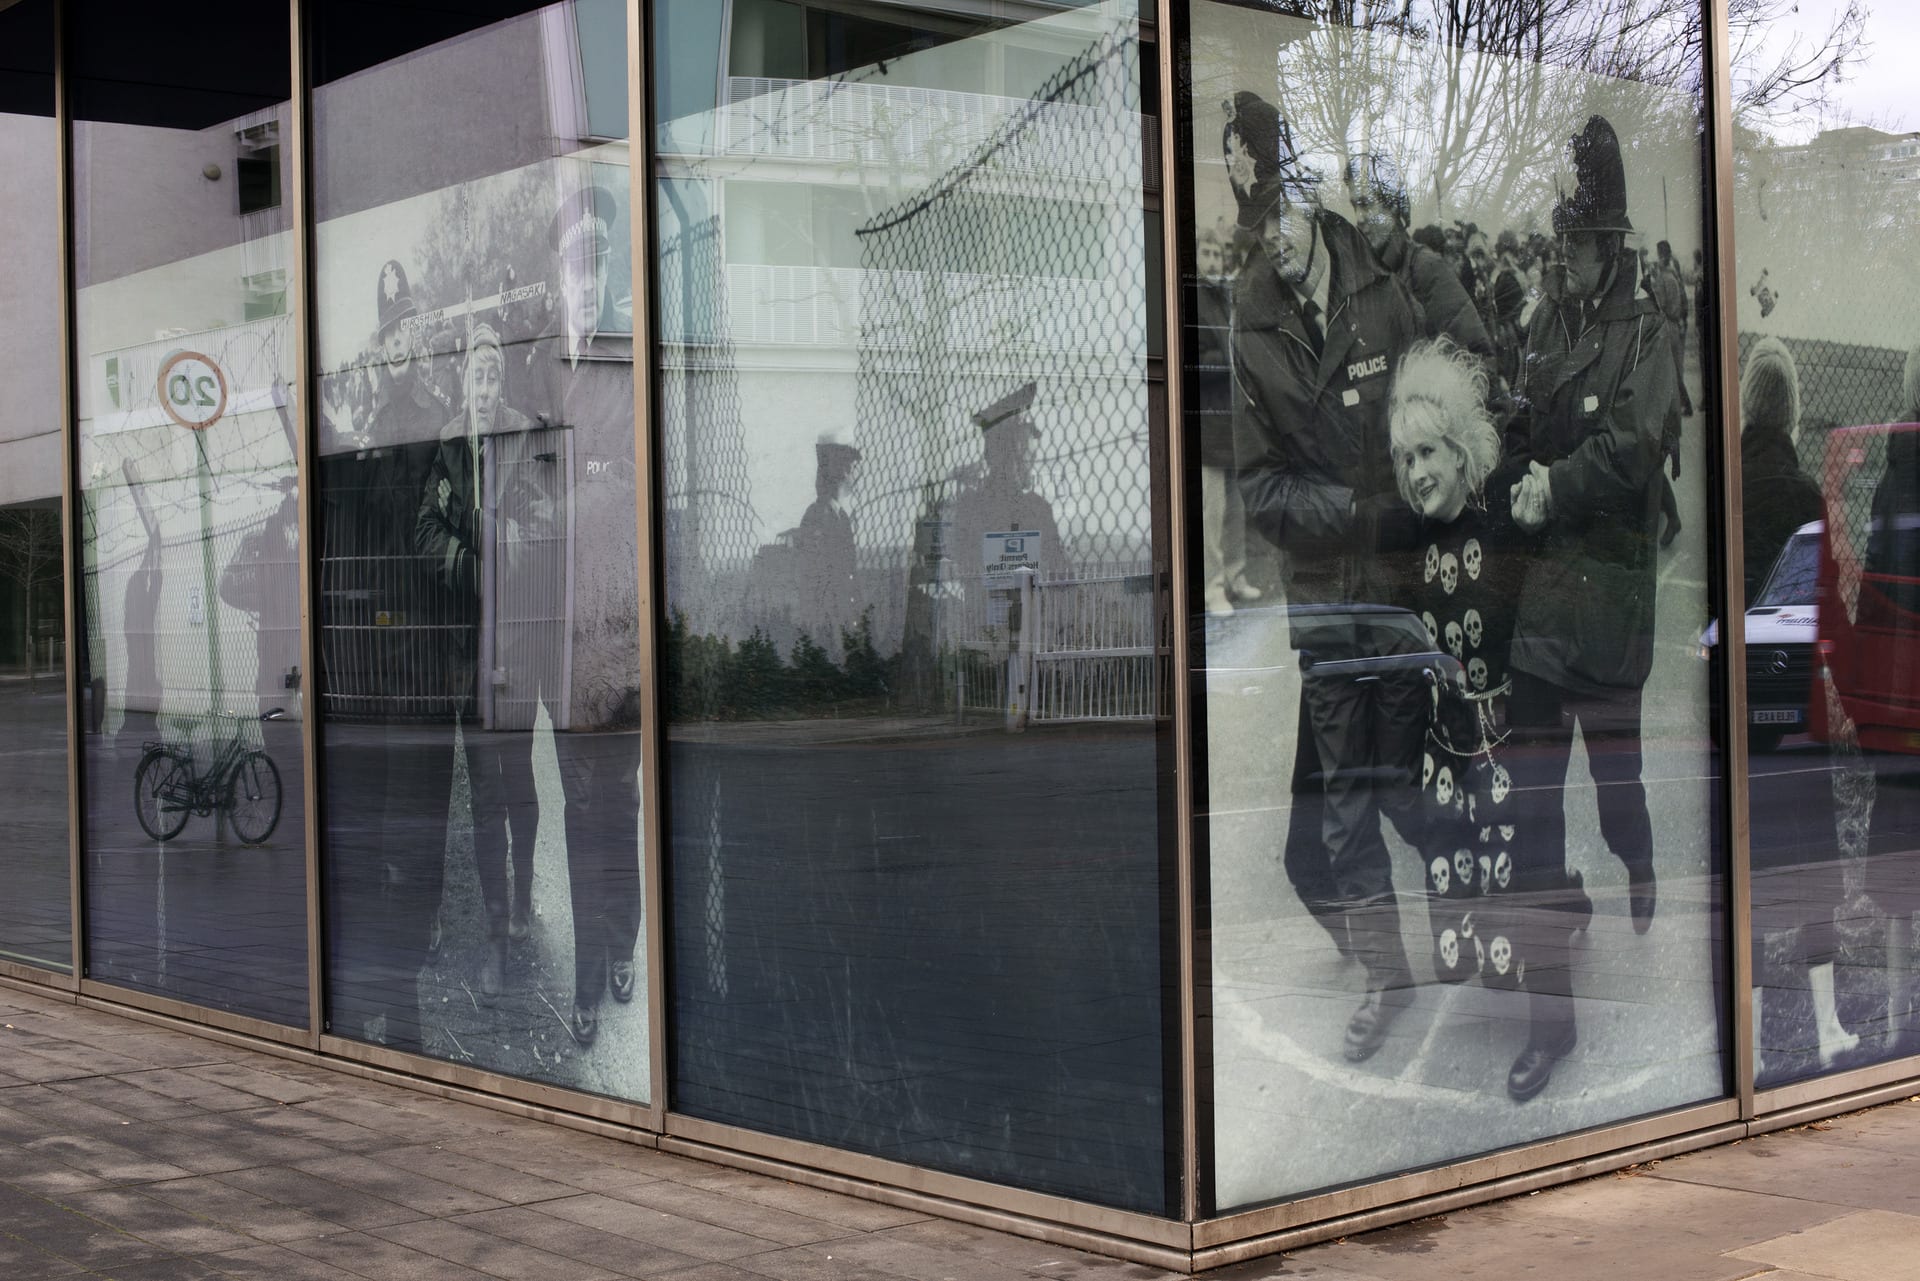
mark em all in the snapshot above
pixel 1319 326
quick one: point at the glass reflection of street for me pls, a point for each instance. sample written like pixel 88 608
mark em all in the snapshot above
pixel 381 899
pixel 204 920
pixel 930 946
pixel 35 926
pixel 1835 969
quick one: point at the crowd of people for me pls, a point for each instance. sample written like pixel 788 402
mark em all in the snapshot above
pixel 1477 431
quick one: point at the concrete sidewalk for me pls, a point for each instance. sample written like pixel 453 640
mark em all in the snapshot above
pixel 144 1154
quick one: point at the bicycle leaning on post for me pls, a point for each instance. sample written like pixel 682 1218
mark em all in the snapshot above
pixel 242 783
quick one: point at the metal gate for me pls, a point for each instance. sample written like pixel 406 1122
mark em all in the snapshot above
pixel 1092 648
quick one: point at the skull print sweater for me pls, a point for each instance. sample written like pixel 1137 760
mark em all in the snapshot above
pixel 1464 585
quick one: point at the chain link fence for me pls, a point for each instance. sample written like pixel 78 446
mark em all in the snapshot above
pixel 1845 385
pixel 1019 266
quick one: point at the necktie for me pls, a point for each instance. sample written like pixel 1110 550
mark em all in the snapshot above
pixel 1310 318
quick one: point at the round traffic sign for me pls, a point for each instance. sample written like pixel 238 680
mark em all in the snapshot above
pixel 193 390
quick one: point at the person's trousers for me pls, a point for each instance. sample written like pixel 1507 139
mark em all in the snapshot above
pixel 1543 718
pixel 386 862
pixel 1357 758
pixel 1223 526
pixel 600 825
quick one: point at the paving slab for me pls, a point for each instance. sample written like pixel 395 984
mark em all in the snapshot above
pixel 273 1263
pixel 257 1216
pixel 1871 1245
pixel 399 1185
pixel 707 1206
pixel 1796 1166
pixel 375 1257
pixel 145 1154
pixel 657 1227
pixel 622 1255
pixel 484 1252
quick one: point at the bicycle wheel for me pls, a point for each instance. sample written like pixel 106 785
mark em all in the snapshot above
pixel 157 785
pixel 253 797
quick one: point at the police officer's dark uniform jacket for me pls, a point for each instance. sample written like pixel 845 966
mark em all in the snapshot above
pixel 1598 383
pixel 1311 435
pixel 1313 451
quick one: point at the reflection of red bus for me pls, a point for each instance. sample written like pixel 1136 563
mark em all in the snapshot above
pixel 1870 586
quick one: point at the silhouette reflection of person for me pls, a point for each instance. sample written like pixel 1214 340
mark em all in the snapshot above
pixel 142 615
pixel 449 531
pixel 589 388
pixel 1003 499
pixel 255 576
pixel 823 546
pixel 1223 511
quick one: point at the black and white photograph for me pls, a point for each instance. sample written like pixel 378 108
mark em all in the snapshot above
pixel 479 596
pixel 1459 777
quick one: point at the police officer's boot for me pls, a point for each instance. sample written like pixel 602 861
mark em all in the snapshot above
pixel 493 963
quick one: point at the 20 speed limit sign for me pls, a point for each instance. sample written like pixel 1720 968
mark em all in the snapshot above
pixel 193 390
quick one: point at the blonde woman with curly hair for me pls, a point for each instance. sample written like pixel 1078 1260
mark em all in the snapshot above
pixel 1464 583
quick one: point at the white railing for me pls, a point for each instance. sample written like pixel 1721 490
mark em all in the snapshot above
pixel 1067 649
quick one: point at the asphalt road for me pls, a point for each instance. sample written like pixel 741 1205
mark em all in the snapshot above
pixel 36 926
pixel 203 917
pixel 944 951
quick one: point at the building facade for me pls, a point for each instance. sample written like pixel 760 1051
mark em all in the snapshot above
pixel 1116 619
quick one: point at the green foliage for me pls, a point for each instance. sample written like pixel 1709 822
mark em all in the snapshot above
pixel 712 678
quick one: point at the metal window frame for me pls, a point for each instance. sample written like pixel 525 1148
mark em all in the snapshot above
pixel 1187 1242
pixel 306 364
pixel 70 496
pixel 1733 640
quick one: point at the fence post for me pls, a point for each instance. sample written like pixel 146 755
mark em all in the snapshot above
pixel 1020 661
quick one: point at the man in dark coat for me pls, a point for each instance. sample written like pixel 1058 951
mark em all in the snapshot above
pixel 1777 494
pixel 1319 325
pixel 1598 386
pixel 1670 292
pixel 1383 212
pixel 583 369
pixel 450 532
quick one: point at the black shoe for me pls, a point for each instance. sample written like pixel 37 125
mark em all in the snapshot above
pixel 1642 896
pixel 1534 1068
pixel 620 981
pixel 493 970
pixel 584 1025
pixel 1579 902
pixel 1367 1029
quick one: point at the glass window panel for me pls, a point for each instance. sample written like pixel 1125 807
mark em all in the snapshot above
pixel 916 648
pixel 1826 171
pixel 479 610
pixel 36 924
pixel 1465 889
pixel 196 871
